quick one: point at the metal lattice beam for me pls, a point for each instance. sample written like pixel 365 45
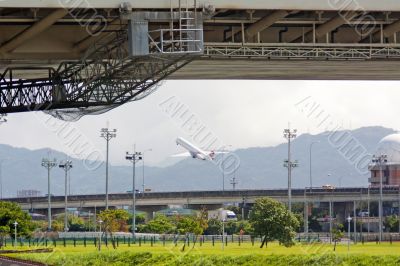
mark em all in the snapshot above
pixel 303 51
pixel 107 75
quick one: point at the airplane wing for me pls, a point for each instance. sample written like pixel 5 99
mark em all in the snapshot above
pixel 216 152
pixel 184 154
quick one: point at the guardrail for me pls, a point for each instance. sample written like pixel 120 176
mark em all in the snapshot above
pixel 294 51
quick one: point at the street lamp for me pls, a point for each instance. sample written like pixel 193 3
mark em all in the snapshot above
pixel 380 160
pixel 143 190
pixel 223 233
pixel 107 135
pixel 1 176
pixel 234 182
pixel 305 198
pixel 290 165
pixel 133 157
pixel 289 135
pixel 311 145
pixel 348 230
pixel 66 165
pixel 48 164
pixel 100 222
pixel 15 232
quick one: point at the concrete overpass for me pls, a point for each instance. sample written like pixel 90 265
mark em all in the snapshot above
pixel 95 53
pixel 243 39
pixel 210 199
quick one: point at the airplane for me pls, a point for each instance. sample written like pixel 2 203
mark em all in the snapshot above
pixel 195 152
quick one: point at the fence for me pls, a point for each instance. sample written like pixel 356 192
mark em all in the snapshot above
pixel 86 240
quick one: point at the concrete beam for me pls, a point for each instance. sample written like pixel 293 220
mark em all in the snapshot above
pixel 265 22
pixel 388 31
pixel 33 30
pixel 83 44
pixel 327 27
pixel 367 5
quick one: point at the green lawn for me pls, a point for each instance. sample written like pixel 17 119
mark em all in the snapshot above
pixel 233 254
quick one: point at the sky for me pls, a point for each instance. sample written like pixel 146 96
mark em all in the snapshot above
pixel 240 113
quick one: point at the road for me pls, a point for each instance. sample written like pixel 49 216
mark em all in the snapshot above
pixel 5 261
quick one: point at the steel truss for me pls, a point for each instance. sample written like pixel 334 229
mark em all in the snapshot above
pixel 106 76
pixel 303 51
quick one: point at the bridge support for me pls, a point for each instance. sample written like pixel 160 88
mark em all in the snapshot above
pixel 122 66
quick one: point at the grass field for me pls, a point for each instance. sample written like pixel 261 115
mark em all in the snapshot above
pixel 233 254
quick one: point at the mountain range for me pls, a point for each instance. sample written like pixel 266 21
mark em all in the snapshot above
pixel 260 167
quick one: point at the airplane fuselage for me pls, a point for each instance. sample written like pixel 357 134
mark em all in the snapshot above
pixel 194 151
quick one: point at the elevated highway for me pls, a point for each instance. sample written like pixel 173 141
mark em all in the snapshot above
pixel 330 5
pixel 58 54
pixel 216 199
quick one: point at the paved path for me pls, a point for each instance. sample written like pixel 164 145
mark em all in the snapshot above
pixel 5 261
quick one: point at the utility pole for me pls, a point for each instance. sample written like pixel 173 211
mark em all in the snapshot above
pixel 311 145
pixel 1 178
pixel 330 219
pixel 348 232
pixel 66 165
pixel 234 182
pixel 289 135
pixel 305 214
pixel 3 119
pixel 133 157
pixel 369 211
pixel 306 203
pixel 107 135
pixel 380 160
pixel 143 189
pixel 48 164
pixel 15 232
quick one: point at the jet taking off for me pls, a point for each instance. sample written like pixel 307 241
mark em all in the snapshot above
pixel 195 152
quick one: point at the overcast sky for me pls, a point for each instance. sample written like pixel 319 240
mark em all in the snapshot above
pixel 239 113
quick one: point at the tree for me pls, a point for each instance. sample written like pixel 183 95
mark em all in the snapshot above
pixel 188 225
pixel 75 223
pixel 272 221
pixel 392 223
pixel 245 227
pixel 159 225
pixel 214 227
pixel 202 218
pixel 4 231
pixel 112 221
pixel 11 212
pixel 337 234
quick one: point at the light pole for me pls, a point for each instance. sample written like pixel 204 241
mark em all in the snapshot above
pixel 223 233
pixel 380 160
pixel 311 145
pixel 1 177
pixel 289 135
pixel 48 164
pixel 100 222
pixel 234 182
pixel 348 230
pixel 107 135
pixel 306 203
pixel 135 156
pixel 143 190
pixel 15 232
pixel 66 165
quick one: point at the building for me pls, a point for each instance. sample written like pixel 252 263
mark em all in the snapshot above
pixel 28 193
pixel 389 146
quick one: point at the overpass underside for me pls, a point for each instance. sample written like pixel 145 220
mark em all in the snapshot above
pixel 56 55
